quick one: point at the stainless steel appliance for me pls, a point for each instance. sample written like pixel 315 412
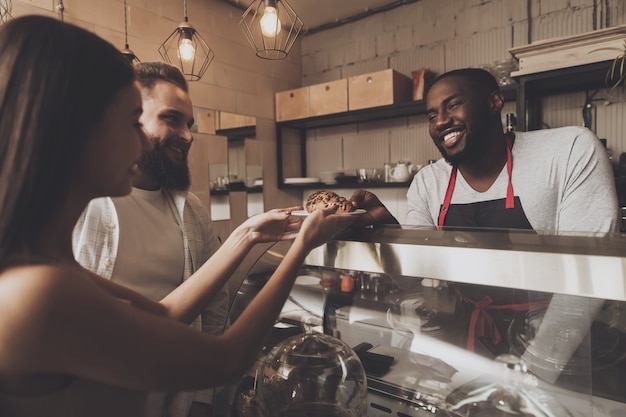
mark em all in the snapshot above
pixel 435 317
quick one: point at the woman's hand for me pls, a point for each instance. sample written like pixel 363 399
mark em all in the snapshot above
pixel 273 225
pixel 322 225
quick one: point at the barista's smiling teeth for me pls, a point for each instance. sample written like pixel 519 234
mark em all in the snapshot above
pixel 451 136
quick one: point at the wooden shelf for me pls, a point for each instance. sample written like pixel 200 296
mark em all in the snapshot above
pixel 410 108
pixel 393 111
pixel 243 132
pixel 355 185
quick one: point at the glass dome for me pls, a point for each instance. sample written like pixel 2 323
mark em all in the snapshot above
pixel 311 375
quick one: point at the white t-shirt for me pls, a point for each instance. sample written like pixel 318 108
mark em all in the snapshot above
pixel 154 269
pixel 562 176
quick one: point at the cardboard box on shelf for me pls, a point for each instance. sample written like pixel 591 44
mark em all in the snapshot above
pixel 292 104
pixel 328 98
pixel 380 88
pixel 233 120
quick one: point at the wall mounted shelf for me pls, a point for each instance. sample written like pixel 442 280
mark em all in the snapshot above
pixel 398 110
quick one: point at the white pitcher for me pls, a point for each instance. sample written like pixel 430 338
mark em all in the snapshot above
pixel 400 172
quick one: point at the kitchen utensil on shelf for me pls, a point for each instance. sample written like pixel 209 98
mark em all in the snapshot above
pixel 400 172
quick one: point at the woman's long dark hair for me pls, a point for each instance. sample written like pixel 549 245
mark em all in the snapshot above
pixel 56 81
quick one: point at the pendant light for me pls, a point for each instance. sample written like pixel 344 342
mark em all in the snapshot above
pixel 187 50
pixel 271 27
pixel 127 52
pixel 5 10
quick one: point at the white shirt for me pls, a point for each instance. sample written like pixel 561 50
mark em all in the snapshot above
pixel 154 269
pixel 96 245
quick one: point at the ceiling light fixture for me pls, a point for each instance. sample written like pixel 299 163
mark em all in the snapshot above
pixel 186 49
pixel 271 27
pixel 127 52
pixel 5 10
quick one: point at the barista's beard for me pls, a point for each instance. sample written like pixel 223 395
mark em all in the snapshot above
pixel 167 174
pixel 475 147
pixel 457 158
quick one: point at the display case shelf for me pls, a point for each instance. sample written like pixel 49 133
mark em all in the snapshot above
pixel 409 314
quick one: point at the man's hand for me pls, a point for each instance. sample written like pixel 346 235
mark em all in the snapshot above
pixel 376 212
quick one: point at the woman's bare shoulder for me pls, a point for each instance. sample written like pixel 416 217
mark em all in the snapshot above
pixel 34 298
pixel 27 286
pixel 42 281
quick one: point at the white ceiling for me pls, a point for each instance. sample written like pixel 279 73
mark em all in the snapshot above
pixel 315 14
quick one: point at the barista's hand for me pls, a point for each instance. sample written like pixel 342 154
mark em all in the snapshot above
pixel 376 212
pixel 273 225
pixel 322 225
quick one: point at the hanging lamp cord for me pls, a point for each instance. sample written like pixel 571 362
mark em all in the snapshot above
pixel 125 27
pixel 185 10
pixel 60 9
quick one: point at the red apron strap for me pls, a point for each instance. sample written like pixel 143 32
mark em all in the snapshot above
pixel 447 199
pixel 482 323
pixel 510 196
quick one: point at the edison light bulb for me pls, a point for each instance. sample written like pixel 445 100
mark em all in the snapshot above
pixel 186 51
pixel 270 25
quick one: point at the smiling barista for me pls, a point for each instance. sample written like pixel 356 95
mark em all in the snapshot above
pixel 555 180
pixel 550 181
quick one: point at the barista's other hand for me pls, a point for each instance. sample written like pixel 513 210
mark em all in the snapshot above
pixel 273 225
pixel 375 211
pixel 322 225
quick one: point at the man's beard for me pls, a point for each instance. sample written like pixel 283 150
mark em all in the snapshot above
pixel 456 158
pixel 473 149
pixel 167 174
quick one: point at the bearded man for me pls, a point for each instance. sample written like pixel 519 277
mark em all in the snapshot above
pixel 156 237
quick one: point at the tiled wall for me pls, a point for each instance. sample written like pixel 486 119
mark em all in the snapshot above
pixel 444 35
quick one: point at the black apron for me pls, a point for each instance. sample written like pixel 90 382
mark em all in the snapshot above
pixel 506 213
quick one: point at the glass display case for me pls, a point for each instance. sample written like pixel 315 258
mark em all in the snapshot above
pixel 459 322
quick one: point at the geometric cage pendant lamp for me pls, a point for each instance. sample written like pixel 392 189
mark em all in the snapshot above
pixel 5 10
pixel 186 49
pixel 271 27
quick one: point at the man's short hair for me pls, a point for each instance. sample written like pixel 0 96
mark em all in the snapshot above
pixel 148 73
pixel 483 80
